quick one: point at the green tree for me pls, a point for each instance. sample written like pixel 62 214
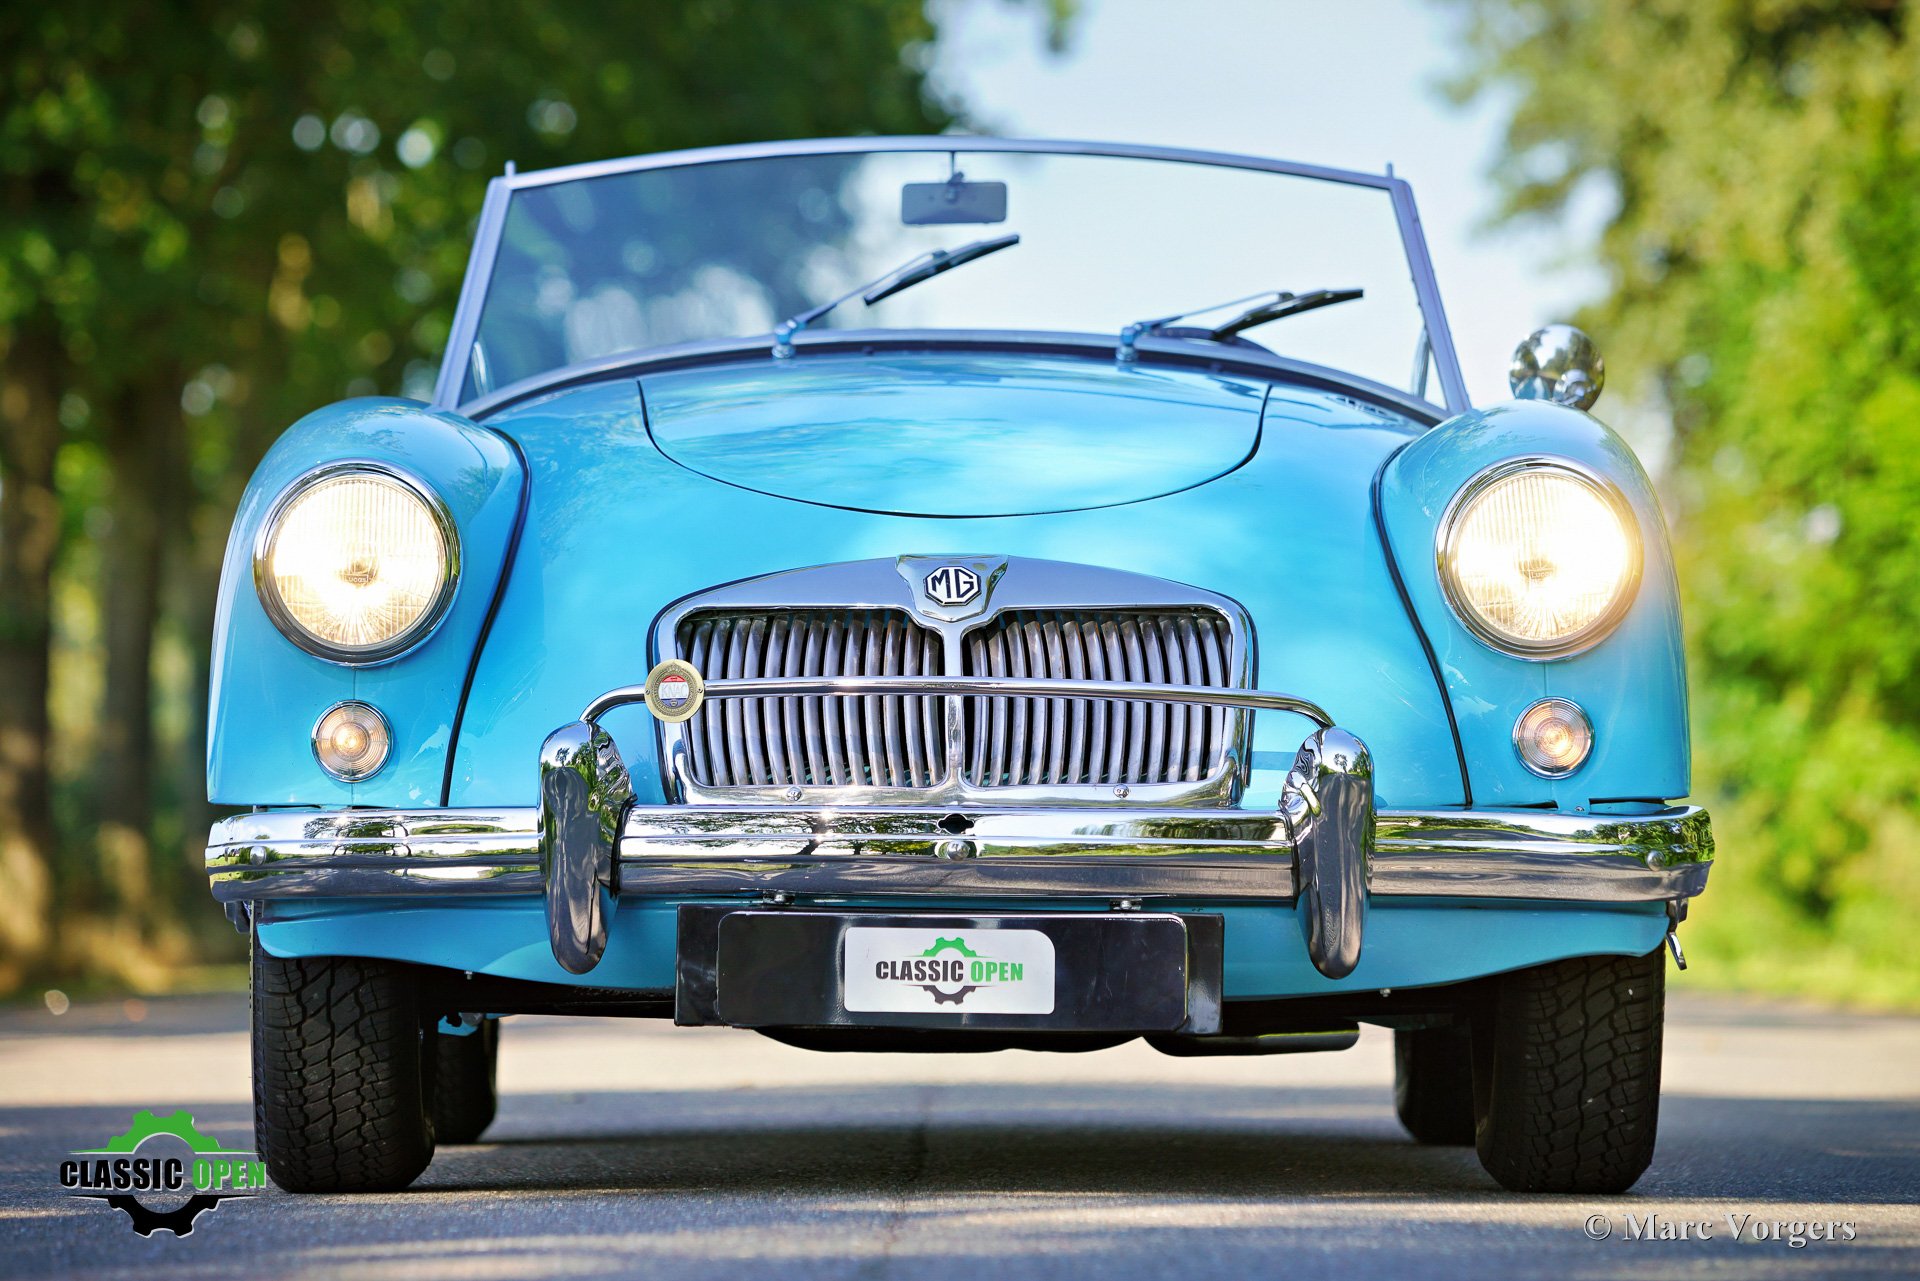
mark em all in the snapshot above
pixel 1764 157
pixel 215 216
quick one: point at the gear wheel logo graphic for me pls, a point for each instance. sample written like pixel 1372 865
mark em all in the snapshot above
pixel 120 1174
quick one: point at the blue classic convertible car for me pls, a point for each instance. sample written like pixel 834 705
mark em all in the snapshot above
pixel 939 594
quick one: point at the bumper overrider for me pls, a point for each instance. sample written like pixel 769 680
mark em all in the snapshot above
pixel 1326 848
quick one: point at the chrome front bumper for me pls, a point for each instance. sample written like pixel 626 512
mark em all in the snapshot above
pixel 588 841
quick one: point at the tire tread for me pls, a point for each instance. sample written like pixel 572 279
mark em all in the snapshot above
pixel 1574 1098
pixel 338 1103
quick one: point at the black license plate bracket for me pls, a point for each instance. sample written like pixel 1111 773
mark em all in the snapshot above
pixel 1111 971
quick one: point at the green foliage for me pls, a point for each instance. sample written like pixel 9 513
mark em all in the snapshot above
pixel 216 216
pixel 1765 157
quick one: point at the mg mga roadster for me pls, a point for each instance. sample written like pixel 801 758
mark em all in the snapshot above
pixel 948 594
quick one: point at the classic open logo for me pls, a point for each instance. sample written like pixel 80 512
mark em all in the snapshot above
pixel 958 971
pixel 163 1172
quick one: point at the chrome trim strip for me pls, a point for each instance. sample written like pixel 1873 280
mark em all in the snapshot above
pixel 699 849
pixel 1426 288
pixel 940 143
pixel 473 296
pixel 977 686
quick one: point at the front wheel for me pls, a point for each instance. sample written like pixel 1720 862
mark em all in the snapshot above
pixel 338 1098
pixel 1566 1074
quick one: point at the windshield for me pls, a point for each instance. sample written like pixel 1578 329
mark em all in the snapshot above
pixel 596 266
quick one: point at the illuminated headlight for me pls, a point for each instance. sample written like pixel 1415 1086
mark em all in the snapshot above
pixel 356 563
pixel 1538 557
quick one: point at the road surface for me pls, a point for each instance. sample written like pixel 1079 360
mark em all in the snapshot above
pixel 628 1148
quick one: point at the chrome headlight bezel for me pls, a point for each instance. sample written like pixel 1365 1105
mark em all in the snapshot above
pixel 1446 555
pixel 403 641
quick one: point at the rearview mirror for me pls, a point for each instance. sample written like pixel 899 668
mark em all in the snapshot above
pixel 925 204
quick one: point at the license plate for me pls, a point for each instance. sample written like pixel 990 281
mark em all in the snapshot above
pixel 956 971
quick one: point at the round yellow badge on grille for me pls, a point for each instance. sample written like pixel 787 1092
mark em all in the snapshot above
pixel 674 690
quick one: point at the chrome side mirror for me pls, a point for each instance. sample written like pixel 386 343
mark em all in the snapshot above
pixel 1558 363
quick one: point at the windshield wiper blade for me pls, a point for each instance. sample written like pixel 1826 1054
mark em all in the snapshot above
pixel 1277 305
pixel 1282 307
pixel 933 264
pixel 910 273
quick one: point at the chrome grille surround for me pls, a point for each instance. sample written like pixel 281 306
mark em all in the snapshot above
pixel 873 618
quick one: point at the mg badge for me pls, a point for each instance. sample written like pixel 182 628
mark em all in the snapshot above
pixel 953 585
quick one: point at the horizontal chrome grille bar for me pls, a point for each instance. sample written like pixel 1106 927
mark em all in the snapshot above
pixel 981 686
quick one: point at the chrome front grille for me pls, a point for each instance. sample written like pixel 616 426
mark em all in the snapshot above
pixel 1064 741
pixel 901 616
pixel 815 742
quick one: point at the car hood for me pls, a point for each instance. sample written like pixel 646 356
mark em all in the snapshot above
pixel 616 531
pixel 965 435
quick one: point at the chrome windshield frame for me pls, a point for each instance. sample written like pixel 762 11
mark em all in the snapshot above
pixel 493 217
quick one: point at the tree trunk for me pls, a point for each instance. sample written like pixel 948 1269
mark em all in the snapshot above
pixel 141 436
pixel 31 365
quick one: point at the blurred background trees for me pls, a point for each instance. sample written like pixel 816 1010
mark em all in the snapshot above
pixel 1763 157
pixel 215 217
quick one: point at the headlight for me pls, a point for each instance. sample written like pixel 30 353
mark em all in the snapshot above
pixel 356 562
pixel 1538 557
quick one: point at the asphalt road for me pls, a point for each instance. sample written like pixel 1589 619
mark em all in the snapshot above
pixel 627 1148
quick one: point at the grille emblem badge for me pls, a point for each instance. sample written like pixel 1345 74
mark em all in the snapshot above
pixel 953 585
pixel 674 690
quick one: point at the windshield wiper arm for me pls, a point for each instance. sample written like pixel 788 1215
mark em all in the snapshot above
pixel 1282 307
pixel 910 273
pixel 1278 305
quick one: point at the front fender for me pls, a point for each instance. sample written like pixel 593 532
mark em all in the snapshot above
pixel 1632 684
pixel 267 692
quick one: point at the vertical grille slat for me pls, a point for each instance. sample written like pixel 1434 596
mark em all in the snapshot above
pixel 895 741
pixel 1017 735
pixel 1194 756
pixel 1071 642
pixel 783 724
pixel 933 722
pixel 1176 765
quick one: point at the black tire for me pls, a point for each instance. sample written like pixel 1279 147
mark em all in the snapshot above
pixel 1433 1084
pixel 1567 1074
pixel 338 1103
pixel 464 1098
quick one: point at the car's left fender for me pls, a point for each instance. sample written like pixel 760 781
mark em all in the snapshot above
pixel 267 692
